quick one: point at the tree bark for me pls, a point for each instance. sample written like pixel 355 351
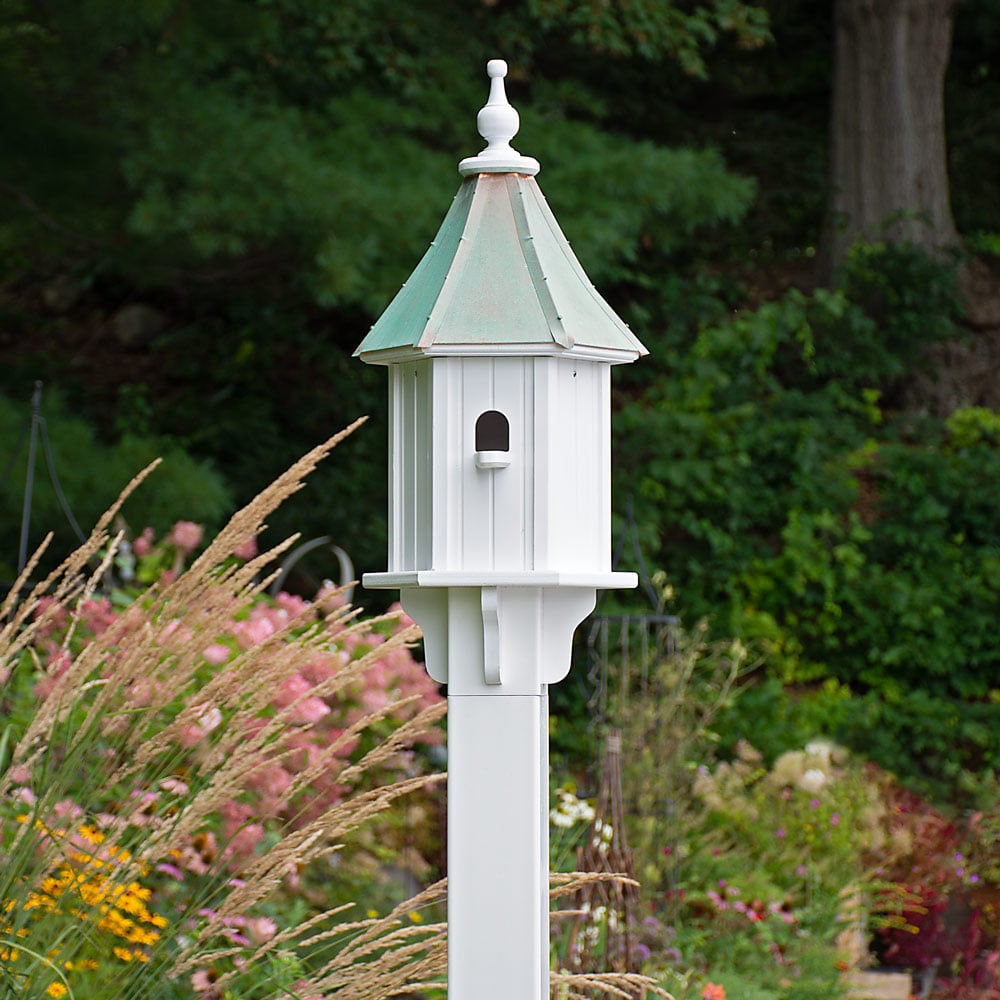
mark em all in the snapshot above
pixel 889 172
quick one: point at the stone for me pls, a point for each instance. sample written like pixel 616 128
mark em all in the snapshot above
pixel 877 985
pixel 61 294
pixel 137 324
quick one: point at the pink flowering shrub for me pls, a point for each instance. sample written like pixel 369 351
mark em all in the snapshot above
pixel 329 706
pixel 199 776
pixel 348 696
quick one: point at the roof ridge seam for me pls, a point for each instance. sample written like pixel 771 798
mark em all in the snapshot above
pixel 446 293
pixel 570 255
pixel 543 293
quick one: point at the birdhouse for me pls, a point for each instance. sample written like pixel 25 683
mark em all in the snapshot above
pixel 499 351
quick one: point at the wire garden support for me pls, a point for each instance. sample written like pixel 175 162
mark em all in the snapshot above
pixel 35 430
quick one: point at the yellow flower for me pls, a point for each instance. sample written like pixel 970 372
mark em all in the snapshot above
pixel 142 891
pixel 139 935
pixel 124 954
pixel 56 990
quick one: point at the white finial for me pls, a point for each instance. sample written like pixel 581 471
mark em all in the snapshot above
pixel 498 123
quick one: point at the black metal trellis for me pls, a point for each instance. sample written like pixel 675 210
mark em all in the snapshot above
pixel 628 643
pixel 603 934
pixel 34 431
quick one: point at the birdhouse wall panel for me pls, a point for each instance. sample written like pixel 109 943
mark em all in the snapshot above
pixel 546 416
pixel 448 489
pixel 410 480
pixel 572 491
pixel 478 501
pixel 481 519
pixel 540 503
pixel 512 487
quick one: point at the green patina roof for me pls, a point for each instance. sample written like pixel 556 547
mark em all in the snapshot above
pixel 500 271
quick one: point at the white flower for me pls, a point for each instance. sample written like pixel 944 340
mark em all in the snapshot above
pixel 821 749
pixel 570 810
pixel 813 780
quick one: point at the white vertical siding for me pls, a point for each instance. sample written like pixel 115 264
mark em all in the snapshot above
pixel 577 515
pixel 550 509
pixel 512 493
pixel 410 458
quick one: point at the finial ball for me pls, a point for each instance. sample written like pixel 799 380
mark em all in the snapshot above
pixel 495 68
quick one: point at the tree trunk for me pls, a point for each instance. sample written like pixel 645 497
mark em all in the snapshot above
pixel 889 173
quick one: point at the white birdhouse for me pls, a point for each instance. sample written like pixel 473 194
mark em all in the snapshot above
pixel 499 352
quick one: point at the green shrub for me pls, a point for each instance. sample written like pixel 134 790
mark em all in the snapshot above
pixel 91 473
pixel 911 298
pixel 856 547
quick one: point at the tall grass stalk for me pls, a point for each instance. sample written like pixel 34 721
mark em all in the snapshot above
pixel 104 792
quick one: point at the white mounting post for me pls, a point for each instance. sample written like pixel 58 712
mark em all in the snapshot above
pixel 498 648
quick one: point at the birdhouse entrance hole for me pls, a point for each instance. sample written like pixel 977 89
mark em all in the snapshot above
pixel 492 432
pixel 492 440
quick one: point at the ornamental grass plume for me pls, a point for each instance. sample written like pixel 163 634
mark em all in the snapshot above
pixel 180 774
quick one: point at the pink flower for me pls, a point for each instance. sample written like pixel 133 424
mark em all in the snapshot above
pixel 261 929
pixel 19 774
pixel 97 615
pixel 143 545
pixel 203 980
pixel 272 780
pixel 292 605
pixel 310 711
pixel 193 733
pixel 186 535
pixel 245 841
pixel 405 621
pixel 713 991
pixel 247 549
pixel 216 653
pixel 67 809
pixel 144 691
pixel 253 632
pixel 58 664
pixel 174 786
pixel 173 633
pixel 55 613
pixel 330 598
pixel 292 688
pixel 25 795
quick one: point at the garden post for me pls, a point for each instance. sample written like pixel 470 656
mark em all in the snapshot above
pixel 499 352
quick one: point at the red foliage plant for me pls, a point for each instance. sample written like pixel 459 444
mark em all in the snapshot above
pixel 949 915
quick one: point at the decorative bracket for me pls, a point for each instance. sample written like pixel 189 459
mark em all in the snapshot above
pixel 490 603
